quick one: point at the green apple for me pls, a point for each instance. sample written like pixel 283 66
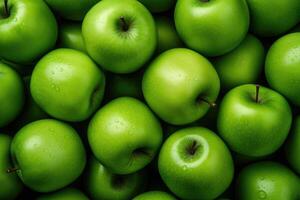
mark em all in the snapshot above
pixel 157 6
pixel 292 146
pixel 125 38
pixel 195 164
pixel 254 120
pixel 212 27
pixel 11 95
pixel 31 111
pixel 28 30
pixel 71 9
pixel 119 85
pixel 70 36
pixel 282 67
pixel 241 66
pixel 167 37
pixel 273 17
pixel 67 84
pixel 65 194
pixel 11 185
pixel 267 180
pixel 124 135
pixel 151 195
pixel 48 155
pixel 100 183
pixel 180 86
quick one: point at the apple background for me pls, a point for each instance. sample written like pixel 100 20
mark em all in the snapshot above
pixel 150 99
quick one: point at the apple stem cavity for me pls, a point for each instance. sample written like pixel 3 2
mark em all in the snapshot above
pixel 12 170
pixel 257 93
pixel 193 148
pixel 205 0
pixel 211 104
pixel 6 11
pixel 124 24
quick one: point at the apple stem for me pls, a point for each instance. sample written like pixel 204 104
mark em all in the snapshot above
pixel 211 104
pixel 11 170
pixel 192 149
pixel 6 12
pixel 257 93
pixel 124 24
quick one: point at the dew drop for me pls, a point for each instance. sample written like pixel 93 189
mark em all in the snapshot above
pixel 262 194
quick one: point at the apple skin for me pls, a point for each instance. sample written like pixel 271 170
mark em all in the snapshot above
pixel 251 128
pixel 210 27
pixel 241 66
pixel 267 180
pixel 282 67
pixel 157 6
pixel 106 41
pixel 71 9
pixel 167 37
pixel 12 95
pixel 70 36
pixel 124 135
pixel 174 83
pixel 13 186
pixel 64 194
pixel 24 38
pixel 100 183
pixel 204 174
pixel 292 146
pixel 151 195
pixel 48 154
pixel 266 23
pixel 67 85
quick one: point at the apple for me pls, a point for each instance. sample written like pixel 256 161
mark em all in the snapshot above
pixel 31 111
pixel 48 155
pixel 67 85
pixel 292 146
pixel 124 135
pixel 70 36
pixel 167 37
pixel 254 120
pixel 64 194
pixel 195 164
pixel 282 67
pixel 119 35
pixel 71 9
pixel 100 183
pixel 151 195
pixel 267 180
pixel 119 85
pixel 241 66
pixel 11 185
pixel 11 95
pixel 212 27
pixel 28 30
pixel 273 17
pixel 180 86
pixel 157 6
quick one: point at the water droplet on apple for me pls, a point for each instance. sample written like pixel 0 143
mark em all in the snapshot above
pixel 262 194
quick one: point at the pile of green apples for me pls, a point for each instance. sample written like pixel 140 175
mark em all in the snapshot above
pixel 150 99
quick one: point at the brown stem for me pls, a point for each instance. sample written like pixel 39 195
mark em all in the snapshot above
pixel 211 104
pixel 6 11
pixel 124 24
pixel 12 170
pixel 257 93
pixel 192 149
